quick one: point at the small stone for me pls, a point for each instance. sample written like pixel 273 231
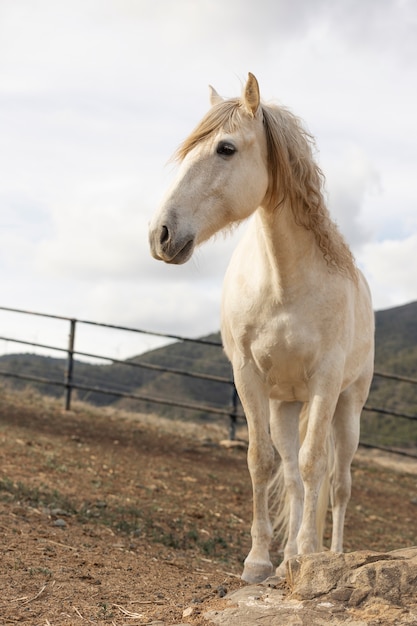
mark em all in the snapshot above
pixel 59 512
pixel 235 443
pixel 221 591
pixel 59 523
pixel 101 504
pixel 188 611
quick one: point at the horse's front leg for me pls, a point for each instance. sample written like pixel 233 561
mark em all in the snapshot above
pixel 260 462
pixel 313 463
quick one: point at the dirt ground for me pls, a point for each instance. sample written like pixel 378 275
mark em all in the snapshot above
pixel 109 518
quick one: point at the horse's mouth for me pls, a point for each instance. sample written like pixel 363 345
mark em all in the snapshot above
pixel 166 254
pixel 183 255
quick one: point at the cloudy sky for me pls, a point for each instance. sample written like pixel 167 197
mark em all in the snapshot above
pixel 95 95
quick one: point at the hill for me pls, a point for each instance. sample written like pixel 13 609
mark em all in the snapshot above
pixel 396 353
pixel 136 376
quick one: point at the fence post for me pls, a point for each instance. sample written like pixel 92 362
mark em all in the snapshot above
pixel 70 365
pixel 233 416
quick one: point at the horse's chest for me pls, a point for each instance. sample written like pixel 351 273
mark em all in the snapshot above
pixel 283 356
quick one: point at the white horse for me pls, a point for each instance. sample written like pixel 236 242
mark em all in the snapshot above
pixel 297 319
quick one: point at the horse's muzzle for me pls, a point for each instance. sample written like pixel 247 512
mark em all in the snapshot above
pixel 168 247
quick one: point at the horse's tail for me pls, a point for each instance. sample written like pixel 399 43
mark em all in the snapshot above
pixel 278 497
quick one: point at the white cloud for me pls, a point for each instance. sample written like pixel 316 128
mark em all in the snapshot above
pixel 351 177
pixel 391 262
pixel 95 237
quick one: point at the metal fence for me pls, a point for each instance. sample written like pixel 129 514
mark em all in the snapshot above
pixel 68 383
pixel 231 410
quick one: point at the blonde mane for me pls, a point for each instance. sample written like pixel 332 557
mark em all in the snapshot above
pixel 294 174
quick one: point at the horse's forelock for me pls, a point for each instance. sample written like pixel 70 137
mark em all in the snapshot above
pixel 225 115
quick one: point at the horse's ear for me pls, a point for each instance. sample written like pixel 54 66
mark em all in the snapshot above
pixel 251 96
pixel 214 96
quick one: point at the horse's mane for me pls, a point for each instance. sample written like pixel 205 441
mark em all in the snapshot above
pixel 227 116
pixel 294 174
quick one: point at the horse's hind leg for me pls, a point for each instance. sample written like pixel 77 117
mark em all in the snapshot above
pixel 260 462
pixel 285 435
pixel 346 426
pixel 313 467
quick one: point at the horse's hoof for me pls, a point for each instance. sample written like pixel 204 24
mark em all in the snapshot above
pixel 281 570
pixel 256 572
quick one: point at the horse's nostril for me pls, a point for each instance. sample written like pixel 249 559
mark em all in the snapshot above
pixel 164 235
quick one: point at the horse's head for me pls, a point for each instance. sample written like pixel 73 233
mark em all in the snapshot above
pixel 223 177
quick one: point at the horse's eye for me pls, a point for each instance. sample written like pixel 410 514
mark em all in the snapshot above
pixel 226 149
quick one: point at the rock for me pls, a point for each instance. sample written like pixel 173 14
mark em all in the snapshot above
pixel 188 611
pixel 59 523
pixel 59 513
pixel 353 589
pixel 310 578
pixel 234 443
pixel 355 577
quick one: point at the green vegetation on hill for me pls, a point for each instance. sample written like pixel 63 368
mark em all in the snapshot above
pixel 396 353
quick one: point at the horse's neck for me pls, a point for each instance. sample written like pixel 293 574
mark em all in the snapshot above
pixel 290 250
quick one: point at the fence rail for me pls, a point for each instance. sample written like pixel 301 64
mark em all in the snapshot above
pixel 231 410
pixel 69 384
pixel 111 392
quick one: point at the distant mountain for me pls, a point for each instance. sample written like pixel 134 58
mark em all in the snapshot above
pixel 133 377
pixel 396 353
pixel 396 339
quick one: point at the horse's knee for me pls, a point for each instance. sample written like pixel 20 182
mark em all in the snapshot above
pixel 312 465
pixel 260 461
pixel 294 485
pixel 341 489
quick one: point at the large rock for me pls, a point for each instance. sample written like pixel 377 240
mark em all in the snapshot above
pixel 355 589
pixel 355 577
